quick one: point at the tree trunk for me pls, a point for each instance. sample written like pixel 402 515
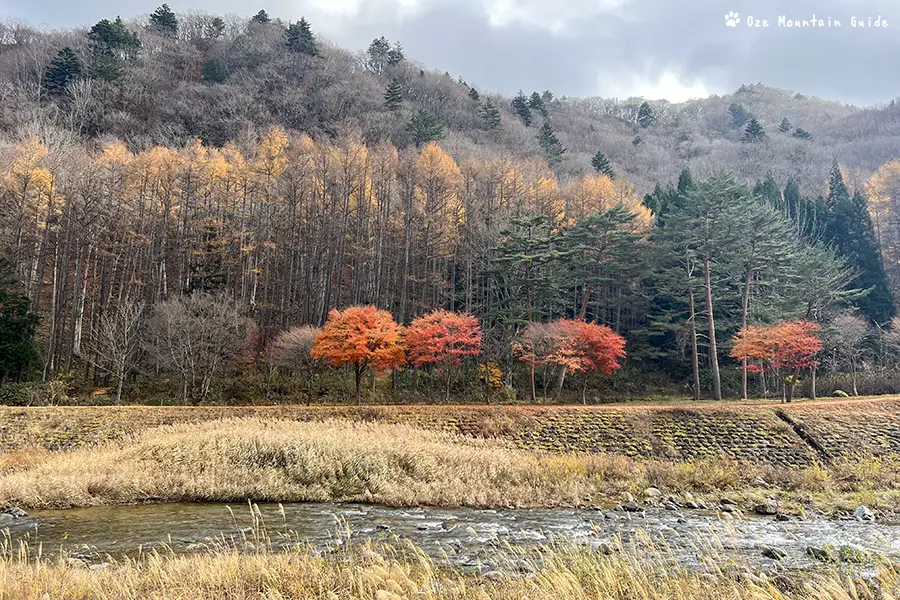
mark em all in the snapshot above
pixel 449 379
pixel 745 310
pixel 358 372
pixel 813 382
pixel 559 386
pixel 584 389
pixel 531 383
pixel 713 349
pixel 853 374
pixel 695 358
pixel 121 383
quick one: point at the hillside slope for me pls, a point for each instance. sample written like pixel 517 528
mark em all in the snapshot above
pixel 228 79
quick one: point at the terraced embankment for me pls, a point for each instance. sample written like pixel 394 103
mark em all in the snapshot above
pixel 795 435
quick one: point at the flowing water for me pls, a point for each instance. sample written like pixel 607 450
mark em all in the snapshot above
pixel 467 538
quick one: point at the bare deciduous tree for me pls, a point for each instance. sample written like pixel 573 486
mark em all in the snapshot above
pixel 848 334
pixel 292 349
pixel 117 341
pixel 195 337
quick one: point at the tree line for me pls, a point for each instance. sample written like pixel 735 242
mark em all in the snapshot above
pixel 289 229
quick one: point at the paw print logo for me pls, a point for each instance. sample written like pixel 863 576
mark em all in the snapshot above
pixel 731 19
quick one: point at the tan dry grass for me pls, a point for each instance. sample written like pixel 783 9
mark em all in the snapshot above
pixel 240 459
pixel 374 572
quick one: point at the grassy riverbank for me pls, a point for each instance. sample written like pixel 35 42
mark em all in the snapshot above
pixel 370 572
pixel 795 436
pixel 403 465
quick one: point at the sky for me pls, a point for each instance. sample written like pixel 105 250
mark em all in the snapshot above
pixel 671 49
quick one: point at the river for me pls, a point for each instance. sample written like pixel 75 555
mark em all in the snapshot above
pixel 466 538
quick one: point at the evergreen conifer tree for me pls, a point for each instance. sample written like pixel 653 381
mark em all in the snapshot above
pixel 739 115
pixel 164 21
pixel 520 105
pixel 536 102
pixel 601 165
pixel 425 128
pixel 473 94
pixel 377 54
pixel 17 328
pixel 490 115
pixel 393 96
pixel 549 143
pixel 111 43
pixel 62 70
pixel 785 126
pixel 216 28
pixel 299 38
pixel 754 132
pixel 645 117
pixel 395 55
pixel 801 134
pixel 261 17
pixel 851 232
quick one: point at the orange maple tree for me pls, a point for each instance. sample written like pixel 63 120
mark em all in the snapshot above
pixel 791 345
pixel 362 336
pixel 443 338
pixel 571 345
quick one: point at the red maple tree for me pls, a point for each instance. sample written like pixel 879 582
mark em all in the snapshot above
pixel 790 345
pixel 443 338
pixel 362 336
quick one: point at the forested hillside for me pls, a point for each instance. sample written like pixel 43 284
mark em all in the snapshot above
pixel 179 191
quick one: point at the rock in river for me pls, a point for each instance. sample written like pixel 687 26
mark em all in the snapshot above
pixel 15 512
pixel 863 513
pixel 774 553
pixel 652 492
pixel 769 508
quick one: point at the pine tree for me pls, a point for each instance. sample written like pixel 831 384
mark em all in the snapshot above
pixel 785 126
pixel 801 134
pixel 393 96
pixel 547 97
pixel 601 165
pixel 395 55
pixel 836 188
pixel 849 228
pixel 299 38
pixel 537 103
pixel 214 70
pixel 261 17
pixel 520 105
pixel 164 21
pixel 739 115
pixel 17 327
pixel 62 70
pixel 425 128
pixel 473 94
pixel 754 132
pixel 645 117
pixel 549 143
pixel 216 28
pixel 490 115
pixel 111 44
pixel 377 54
pixel 113 37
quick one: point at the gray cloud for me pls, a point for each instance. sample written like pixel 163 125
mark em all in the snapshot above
pixel 581 47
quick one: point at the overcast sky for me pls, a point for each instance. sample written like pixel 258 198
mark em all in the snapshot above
pixel 673 49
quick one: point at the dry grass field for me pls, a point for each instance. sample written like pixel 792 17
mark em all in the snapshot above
pixel 376 572
pixel 404 465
